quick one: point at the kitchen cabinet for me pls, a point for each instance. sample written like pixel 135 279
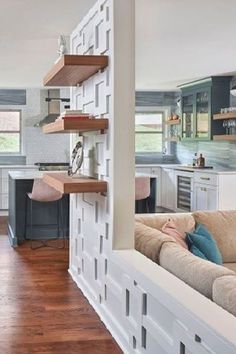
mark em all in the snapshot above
pixel 168 189
pixel 4 184
pixel 200 100
pixel 44 216
pixel 205 197
pixel 205 191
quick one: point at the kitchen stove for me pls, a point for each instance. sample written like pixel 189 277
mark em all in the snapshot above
pixel 52 166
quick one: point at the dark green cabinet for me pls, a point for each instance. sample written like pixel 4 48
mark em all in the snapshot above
pixel 200 100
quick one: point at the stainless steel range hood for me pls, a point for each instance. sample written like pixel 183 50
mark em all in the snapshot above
pixel 53 101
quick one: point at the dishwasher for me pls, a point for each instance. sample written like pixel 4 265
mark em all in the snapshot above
pixel 184 191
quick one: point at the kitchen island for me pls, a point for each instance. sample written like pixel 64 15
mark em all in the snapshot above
pixel 44 214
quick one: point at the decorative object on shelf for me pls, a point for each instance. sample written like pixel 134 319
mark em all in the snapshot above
pixel 227 110
pixel 201 161
pixel 233 91
pixel 172 117
pixel 195 159
pixel 230 126
pixel 62 49
pixel 75 115
pixel 76 159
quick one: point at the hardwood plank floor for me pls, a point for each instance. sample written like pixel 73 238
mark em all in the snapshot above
pixel 41 308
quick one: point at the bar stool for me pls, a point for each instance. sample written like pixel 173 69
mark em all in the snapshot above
pixel 142 192
pixel 43 193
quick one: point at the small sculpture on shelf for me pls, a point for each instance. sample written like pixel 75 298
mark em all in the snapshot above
pixel 77 157
pixel 173 116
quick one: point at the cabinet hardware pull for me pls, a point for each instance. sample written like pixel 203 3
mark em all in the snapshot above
pixel 197 339
pixel 203 189
pixel 205 178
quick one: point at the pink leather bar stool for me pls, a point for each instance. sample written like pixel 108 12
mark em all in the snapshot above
pixel 142 191
pixel 43 193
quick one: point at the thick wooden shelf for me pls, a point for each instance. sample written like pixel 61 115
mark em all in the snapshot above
pixel 229 137
pixel 67 185
pixel 173 121
pixel 223 116
pixel 73 125
pixel 72 70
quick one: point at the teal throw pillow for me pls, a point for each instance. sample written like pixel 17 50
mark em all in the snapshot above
pixel 201 243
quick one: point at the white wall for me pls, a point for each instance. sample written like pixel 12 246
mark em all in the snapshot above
pixel 146 308
pixel 177 41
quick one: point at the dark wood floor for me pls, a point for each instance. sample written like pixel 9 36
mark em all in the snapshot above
pixel 41 308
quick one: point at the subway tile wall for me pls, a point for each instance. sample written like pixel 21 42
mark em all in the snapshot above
pixel 36 146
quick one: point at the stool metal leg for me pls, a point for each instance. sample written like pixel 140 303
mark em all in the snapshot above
pixel 59 222
pixel 62 223
pixel 31 230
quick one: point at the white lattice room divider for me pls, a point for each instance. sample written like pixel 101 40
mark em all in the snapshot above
pixel 146 308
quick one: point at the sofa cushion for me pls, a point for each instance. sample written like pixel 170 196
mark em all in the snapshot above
pixel 184 222
pixel 203 245
pixel 196 272
pixel 169 228
pixel 149 241
pixel 224 293
pixel 222 226
pixel 231 266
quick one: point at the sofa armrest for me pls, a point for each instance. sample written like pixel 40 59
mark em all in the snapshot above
pixel 149 241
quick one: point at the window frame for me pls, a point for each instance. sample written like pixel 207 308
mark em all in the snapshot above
pixel 165 112
pixel 15 131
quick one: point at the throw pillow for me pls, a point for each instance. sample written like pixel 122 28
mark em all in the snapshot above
pixel 202 244
pixel 169 228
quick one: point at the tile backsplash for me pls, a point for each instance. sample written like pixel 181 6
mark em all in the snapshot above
pixel 217 154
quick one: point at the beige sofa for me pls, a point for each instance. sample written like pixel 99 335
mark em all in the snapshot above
pixel 214 281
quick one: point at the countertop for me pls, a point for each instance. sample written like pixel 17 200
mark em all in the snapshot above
pixel 145 174
pixel 26 174
pixel 39 174
pixel 178 167
pixel 8 167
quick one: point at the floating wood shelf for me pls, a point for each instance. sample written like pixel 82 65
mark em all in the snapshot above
pixel 72 70
pixel 229 137
pixel 222 116
pixel 173 139
pixel 173 121
pixel 67 185
pixel 73 125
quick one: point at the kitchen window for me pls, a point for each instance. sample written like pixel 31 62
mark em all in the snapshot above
pixel 149 132
pixel 10 132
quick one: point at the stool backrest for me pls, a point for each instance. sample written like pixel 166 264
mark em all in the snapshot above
pixel 142 188
pixel 42 192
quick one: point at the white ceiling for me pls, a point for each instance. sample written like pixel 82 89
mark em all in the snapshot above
pixel 29 30
pixel 179 40
pixel 176 40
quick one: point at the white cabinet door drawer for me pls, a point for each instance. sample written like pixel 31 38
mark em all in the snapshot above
pixel 206 178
